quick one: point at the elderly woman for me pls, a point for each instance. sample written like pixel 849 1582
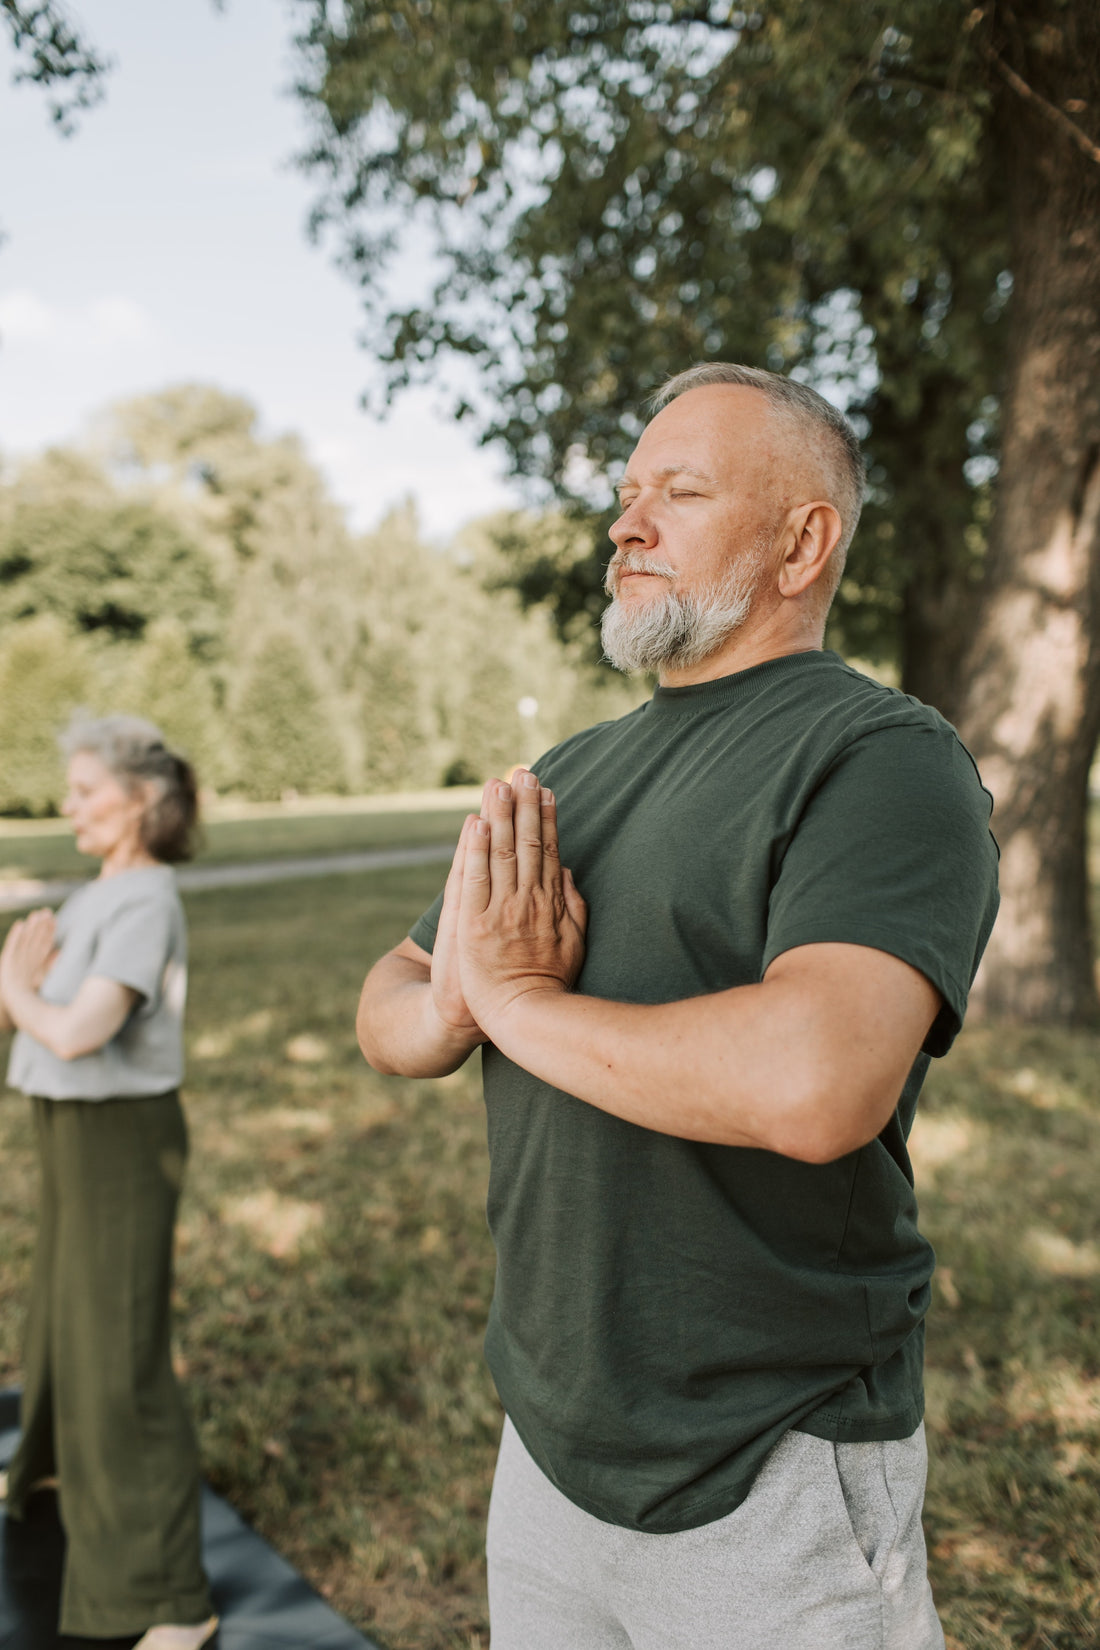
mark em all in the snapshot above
pixel 97 997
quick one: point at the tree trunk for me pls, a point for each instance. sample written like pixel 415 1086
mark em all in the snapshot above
pixel 936 625
pixel 1030 708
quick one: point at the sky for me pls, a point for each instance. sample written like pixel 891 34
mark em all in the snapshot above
pixel 165 242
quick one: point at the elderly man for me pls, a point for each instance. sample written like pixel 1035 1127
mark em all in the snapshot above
pixel 703 1045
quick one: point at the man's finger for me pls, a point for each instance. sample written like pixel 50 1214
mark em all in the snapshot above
pixel 502 842
pixel 475 890
pixel 528 829
pixel 452 888
pixel 551 862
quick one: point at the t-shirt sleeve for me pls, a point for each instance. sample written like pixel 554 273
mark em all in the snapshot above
pixel 134 945
pixel 423 930
pixel 893 850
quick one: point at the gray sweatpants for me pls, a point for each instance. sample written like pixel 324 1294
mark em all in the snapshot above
pixel 826 1553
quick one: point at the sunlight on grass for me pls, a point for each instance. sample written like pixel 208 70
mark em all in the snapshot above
pixel 335 1273
pixel 937 1141
pixel 277 1225
pixel 1054 1254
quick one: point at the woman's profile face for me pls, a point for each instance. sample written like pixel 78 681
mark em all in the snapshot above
pixel 106 816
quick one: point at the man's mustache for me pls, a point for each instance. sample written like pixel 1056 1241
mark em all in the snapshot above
pixel 634 561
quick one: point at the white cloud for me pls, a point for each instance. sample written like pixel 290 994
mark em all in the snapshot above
pixel 93 327
pixel 121 321
pixel 24 318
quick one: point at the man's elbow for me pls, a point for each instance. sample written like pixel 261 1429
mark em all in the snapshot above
pixel 370 1046
pixel 827 1121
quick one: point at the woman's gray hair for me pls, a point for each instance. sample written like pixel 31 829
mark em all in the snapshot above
pixel 135 751
pixel 833 438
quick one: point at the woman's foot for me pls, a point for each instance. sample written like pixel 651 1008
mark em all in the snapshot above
pixel 167 1636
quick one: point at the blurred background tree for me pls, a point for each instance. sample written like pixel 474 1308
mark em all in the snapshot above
pixel 189 569
pixel 895 200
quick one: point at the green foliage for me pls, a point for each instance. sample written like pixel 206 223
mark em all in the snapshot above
pixel 617 190
pixel 397 729
pixel 168 684
pixel 51 52
pixel 43 679
pixel 205 579
pixel 285 741
pixel 105 568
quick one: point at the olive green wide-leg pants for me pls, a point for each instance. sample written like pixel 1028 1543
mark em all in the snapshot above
pixel 101 1406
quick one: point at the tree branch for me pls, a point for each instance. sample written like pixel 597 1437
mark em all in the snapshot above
pixel 1069 127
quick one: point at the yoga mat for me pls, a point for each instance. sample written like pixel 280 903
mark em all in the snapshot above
pixel 263 1603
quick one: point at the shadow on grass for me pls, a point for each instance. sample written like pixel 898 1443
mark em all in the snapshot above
pixel 335 1274
pixel 1005 1151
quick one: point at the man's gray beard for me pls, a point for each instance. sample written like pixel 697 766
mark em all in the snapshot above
pixel 672 632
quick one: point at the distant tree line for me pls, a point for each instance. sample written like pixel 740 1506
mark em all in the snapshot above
pixel 192 571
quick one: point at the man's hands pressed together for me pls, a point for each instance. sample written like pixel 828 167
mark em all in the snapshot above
pixel 511 923
pixel 515 912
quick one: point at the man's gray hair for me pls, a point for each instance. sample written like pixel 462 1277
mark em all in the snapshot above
pixel 835 441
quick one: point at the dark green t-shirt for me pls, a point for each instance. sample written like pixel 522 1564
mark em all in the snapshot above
pixel 665 1310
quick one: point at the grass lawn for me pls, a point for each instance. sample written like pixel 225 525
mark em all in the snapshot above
pixel 335 1273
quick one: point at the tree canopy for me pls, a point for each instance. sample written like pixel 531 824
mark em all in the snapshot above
pixel 193 570
pixel 616 190
pixel 896 200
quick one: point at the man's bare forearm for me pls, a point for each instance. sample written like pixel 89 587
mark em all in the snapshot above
pixel 399 1031
pixel 809 1063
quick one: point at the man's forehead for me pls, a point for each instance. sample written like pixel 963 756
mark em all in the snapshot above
pixel 705 432
pixel 665 472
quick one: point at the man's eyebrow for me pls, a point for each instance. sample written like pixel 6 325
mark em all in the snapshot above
pixel 665 472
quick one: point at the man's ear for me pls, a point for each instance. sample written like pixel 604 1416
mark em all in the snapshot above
pixel 813 533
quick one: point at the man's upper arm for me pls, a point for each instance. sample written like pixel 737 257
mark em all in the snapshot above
pixel 893 853
pixel 867 1014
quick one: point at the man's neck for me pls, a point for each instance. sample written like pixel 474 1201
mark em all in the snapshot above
pixel 743 649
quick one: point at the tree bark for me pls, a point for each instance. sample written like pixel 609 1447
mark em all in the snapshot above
pixel 1030 705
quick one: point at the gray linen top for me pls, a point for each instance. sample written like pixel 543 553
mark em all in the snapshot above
pixel 128 927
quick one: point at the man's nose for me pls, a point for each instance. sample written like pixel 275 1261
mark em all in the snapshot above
pixel 633 528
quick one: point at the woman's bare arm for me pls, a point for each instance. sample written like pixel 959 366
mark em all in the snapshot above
pixel 97 1013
